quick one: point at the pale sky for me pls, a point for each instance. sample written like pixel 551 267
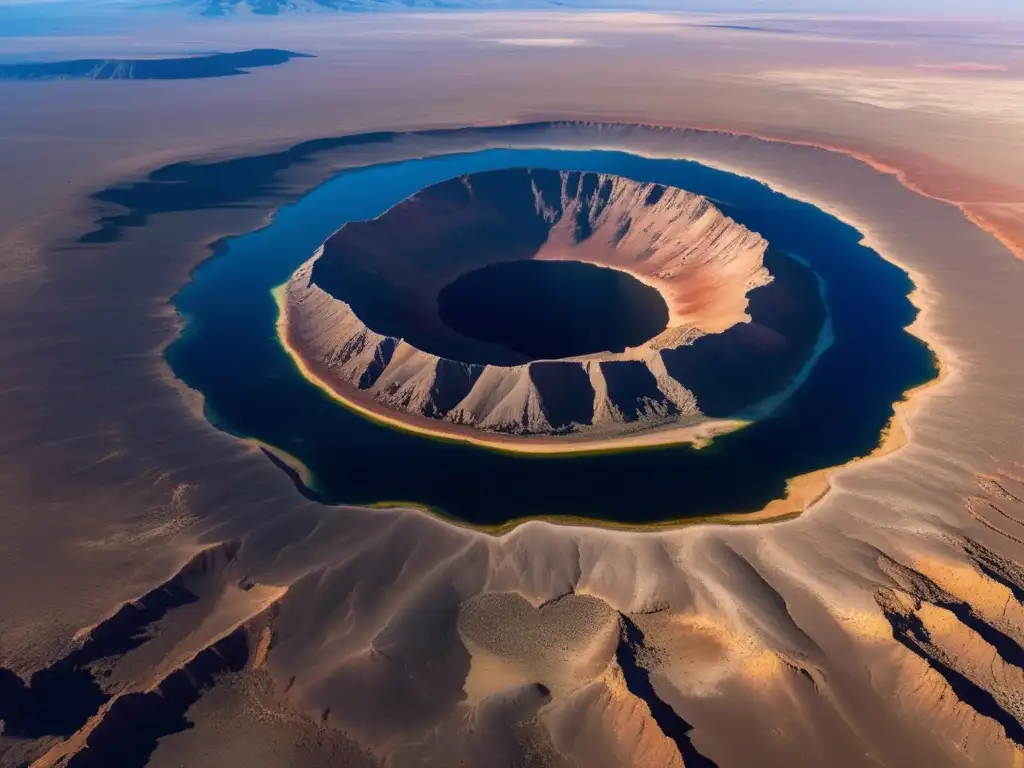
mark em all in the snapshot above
pixel 752 6
pixel 1010 9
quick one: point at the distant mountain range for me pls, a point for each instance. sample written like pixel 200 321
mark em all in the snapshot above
pixel 276 7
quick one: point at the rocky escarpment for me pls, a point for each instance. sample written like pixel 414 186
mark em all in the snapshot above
pixel 362 314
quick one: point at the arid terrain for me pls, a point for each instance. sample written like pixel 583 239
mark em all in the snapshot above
pixel 171 598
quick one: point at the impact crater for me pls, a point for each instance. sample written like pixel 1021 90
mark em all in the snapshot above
pixel 548 310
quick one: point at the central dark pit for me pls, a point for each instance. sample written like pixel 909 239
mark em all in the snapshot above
pixel 548 310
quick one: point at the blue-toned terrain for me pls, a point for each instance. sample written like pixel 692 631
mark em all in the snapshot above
pixel 230 353
pixel 181 68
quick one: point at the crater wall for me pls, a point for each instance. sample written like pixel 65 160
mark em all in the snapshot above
pixel 362 313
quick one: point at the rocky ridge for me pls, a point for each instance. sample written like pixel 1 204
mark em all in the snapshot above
pixel 701 262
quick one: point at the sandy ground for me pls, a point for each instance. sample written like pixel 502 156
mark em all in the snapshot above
pixel 800 635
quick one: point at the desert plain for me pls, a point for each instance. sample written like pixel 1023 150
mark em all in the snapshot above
pixel 172 599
